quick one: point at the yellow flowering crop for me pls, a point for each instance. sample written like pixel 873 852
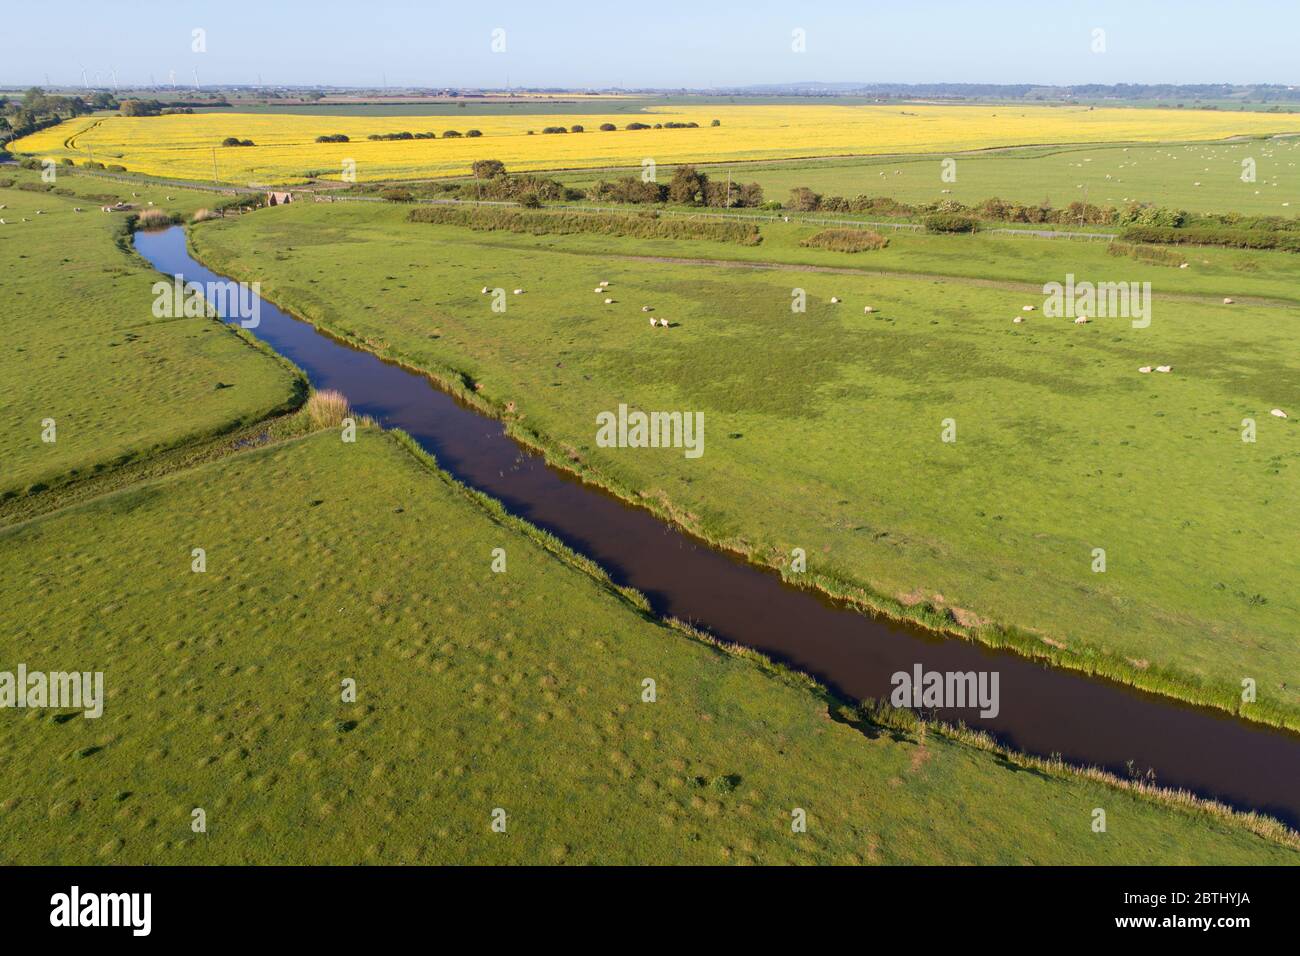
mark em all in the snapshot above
pixel 182 145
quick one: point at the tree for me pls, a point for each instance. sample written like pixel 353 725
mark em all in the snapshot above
pixel 608 127
pixel 688 186
pixel 488 168
pixel 803 199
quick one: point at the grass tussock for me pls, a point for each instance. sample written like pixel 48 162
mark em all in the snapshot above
pixel 154 219
pixel 1156 255
pixel 203 215
pixel 540 223
pixel 846 240
pixel 327 409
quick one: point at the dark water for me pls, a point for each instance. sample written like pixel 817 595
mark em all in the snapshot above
pixel 1043 711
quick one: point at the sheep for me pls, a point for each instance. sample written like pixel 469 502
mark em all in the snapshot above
pixel 835 300
pixel 485 290
pixel 135 195
pixel 1081 320
pixel 25 219
pixel 40 212
pixel 663 323
pixel 609 301
pixel 2 222
pixel 653 321
pixel 1227 302
pixel 76 209
pixel 519 291
pixel 1026 308
pixel 869 309
pixel 598 289
pixel 1145 369
pixel 1018 319
pixel 603 283
pixel 1182 265
pixel 1277 413
pixel 646 308
pixel 1164 368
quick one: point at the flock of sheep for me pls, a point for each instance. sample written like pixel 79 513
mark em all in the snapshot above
pixel 601 289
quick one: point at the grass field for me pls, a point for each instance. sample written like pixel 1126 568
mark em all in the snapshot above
pixel 1201 177
pixel 824 430
pixel 188 146
pixel 522 691
pixel 82 347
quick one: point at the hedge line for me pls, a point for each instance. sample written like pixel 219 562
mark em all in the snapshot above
pixel 609 224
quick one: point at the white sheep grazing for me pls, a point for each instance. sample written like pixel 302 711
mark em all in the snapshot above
pixel 1081 320
pixel 653 321
pixel 485 290
pixel 1164 368
pixel 609 301
pixel 663 323
pixel 76 209
pixel 645 308
pixel 1144 369
pixel 135 195
pixel 598 289
pixel 40 212
pixel 519 291
pixel 869 309
pixel 2 222
pixel 1227 302
pixel 603 283
pixel 1182 265
pixel 1018 319
pixel 835 300
pixel 1277 413
pixel 1026 308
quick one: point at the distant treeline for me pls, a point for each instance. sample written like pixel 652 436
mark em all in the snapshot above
pixel 803 199
pixel 688 187
pixel 1258 92
pixel 447 134
pixel 648 225
pixel 37 110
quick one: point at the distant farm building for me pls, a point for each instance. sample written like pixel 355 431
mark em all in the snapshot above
pixel 279 199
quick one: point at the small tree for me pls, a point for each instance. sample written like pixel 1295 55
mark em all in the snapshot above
pixel 688 186
pixel 488 168
pixel 803 199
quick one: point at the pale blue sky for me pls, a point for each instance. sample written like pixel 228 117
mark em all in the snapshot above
pixel 660 44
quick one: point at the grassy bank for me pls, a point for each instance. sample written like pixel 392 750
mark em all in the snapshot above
pixel 837 416
pixel 329 561
pixel 84 349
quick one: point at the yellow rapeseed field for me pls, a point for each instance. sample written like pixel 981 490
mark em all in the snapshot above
pixel 182 146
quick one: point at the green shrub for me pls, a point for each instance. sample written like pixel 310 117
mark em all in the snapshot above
pixel 1287 241
pixel 950 222
pixel 534 222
